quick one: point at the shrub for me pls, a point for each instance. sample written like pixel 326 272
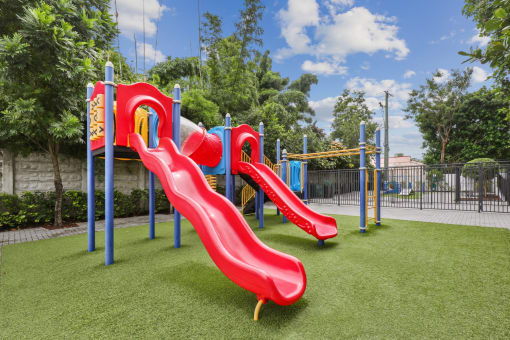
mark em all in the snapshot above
pixel 74 206
pixel 140 200
pixel 489 168
pixel 122 204
pixel 162 202
pixel 9 207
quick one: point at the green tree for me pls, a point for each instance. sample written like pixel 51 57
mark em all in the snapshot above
pixel 350 110
pixel 47 55
pixel 481 129
pixel 492 19
pixel 435 108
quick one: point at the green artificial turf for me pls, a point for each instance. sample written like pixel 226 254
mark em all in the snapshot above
pixel 404 279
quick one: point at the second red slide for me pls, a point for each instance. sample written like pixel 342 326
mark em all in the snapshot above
pixel 320 226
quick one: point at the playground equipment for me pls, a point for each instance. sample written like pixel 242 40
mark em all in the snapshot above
pixel 367 202
pixel 179 153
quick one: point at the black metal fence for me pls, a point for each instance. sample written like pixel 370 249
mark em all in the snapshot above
pixel 475 187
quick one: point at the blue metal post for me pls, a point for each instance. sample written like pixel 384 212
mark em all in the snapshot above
pixel 278 161
pixel 91 189
pixel 176 136
pixel 261 192
pixel 228 165
pixel 362 148
pixel 152 191
pixel 108 163
pixel 305 170
pixel 284 173
pixel 233 193
pixel 378 169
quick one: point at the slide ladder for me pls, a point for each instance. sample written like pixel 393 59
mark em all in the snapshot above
pixel 248 192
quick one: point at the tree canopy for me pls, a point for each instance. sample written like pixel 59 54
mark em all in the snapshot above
pixel 435 109
pixel 48 52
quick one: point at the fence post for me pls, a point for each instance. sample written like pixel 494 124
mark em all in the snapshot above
pixel 278 163
pixel 176 136
pixel 457 184
pixel 480 189
pixel 362 174
pixel 422 187
pixel 91 185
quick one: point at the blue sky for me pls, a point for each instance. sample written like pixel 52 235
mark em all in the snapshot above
pixel 372 45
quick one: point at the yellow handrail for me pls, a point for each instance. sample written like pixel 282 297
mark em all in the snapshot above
pixel 248 192
pixel 211 179
pixel 246 195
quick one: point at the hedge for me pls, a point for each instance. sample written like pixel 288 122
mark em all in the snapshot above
pixel 33 208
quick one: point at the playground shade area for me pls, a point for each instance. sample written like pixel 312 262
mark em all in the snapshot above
pixel 404 280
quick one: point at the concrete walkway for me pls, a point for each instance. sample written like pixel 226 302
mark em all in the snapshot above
pixel 489 219
pixel 40 233
pixel 498 220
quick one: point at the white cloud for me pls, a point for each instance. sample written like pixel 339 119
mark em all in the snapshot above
pixel 365 66
pixel 395 122
pixel 445 74
pixel 150 54
pixel 374 88
pixel 409 74
pixel 481 41
pixel 324 67
pixel 131 16
pixel 324 108
pixel 334 35
pixel 479 75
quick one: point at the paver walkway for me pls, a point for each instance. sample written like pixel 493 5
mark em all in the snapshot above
pixel 34 234
pixel 488 219
pixel 499 220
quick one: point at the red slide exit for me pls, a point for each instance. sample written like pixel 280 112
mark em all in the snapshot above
pixel 227 237
pixel 320 226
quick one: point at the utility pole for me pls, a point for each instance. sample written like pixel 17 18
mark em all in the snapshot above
pixel 136 56
pixel 386 128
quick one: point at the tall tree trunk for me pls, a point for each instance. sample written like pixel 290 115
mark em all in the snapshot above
pixel 59 188
pixel 444 142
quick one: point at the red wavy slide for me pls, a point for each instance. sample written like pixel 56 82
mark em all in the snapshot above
pixel 320 226
pixel 227 237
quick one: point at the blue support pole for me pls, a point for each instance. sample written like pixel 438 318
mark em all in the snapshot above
pixel 176 136
pixel 284 174
pixel 261 192
pixel 152 190
pixel 378 169
pixel 278 161
pixel 108 163
pixel 91 185
pixel 305 170
pixel 362 193
pixel 233 193
pixel 228 162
